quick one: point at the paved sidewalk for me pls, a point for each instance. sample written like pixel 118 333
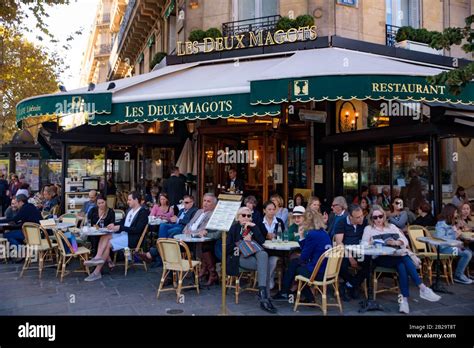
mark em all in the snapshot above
pixel 135 294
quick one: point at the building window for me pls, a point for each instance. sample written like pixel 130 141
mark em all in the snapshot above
pixel 248 9
pixel 403 13
pixel 456 167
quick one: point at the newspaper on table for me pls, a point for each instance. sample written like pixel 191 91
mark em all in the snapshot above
pixel 223 216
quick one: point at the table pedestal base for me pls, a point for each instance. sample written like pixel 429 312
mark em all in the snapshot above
pixel 441 289
pixel 370 305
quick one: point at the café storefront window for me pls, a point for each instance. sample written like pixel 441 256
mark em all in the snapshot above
pixel 410 173
pixel 51 171
pixel 457 167
pixel 85 171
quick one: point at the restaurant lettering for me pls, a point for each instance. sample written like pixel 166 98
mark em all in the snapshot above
pixel 247 40
pixel 407 88
pixel 184 108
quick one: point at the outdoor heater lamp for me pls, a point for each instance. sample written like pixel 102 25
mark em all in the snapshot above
pixel 276 122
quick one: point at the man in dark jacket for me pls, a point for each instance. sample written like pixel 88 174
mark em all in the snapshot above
pixel 349 231
pixel 175 186
pixel 178 223
pixel 4 201
pixel 27 212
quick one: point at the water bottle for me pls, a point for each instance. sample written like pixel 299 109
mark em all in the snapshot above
pixel 286 236
pixel 279 233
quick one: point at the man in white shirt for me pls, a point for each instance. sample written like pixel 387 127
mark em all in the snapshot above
pixel 130 229
pixel 197 225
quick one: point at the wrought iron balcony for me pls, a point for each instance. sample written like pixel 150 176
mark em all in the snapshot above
pixel 267 23
pixel 391 34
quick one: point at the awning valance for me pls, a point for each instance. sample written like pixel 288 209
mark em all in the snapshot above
pixel 347 87
pixel 61 104
pixel 179 109
pixel 341 74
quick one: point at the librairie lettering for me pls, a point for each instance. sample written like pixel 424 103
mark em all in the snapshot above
pixel 185 108
pixel 246 40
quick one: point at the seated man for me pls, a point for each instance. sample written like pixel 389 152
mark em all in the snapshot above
pixel 349 232
pixel 130 230
pixel 178 223
pixel 27 212
pixel 91 203
pixel 51 200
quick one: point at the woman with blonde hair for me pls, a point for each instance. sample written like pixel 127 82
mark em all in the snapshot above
pixel 281 211
pixel 313 245
pixel 380 229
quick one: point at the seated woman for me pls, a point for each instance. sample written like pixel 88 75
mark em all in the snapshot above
pixel 446 228
pixel 281 211
pixel 299 200
pixel 315 243
pixel 251 203
pixel 365 205
pixel 269 227
pixel 398 216
pixel 378 225
pixel 465 222
pixel 314 204
pixel 246 230
pixel 298 220
pixel 100 216
pixel 129 232
pixel 425 218
pixel 163 209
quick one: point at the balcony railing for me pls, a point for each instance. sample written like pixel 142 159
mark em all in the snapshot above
pixel 390 34
pixel 126 18
pixel 267 23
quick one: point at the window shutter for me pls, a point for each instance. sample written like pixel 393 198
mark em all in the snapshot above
pixel 414 13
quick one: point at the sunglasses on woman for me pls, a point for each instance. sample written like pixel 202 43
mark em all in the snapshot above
pixel 246 215
pixel 376 217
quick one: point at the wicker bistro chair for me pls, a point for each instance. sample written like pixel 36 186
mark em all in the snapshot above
pixel 3 249
pixel 67 256
pixel 381 272
pixel 173 261
pixel 446 259
pixel 119 215
pixel 111 201
pixel 234 282
pixel 331 274
pixel 130 253
pixel 428 256
pixel 37 239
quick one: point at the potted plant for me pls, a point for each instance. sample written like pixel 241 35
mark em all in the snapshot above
pixel 446 181
pixel 199 36
pixel 416 40
pixel 157 58
pixel 286 23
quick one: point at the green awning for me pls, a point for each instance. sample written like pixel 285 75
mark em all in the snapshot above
pixel 221 106
pixel 63 104
pixel 347 87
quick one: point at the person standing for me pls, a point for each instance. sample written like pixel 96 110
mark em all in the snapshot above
pixel 4 201
pixel 14 186
pixel 175 186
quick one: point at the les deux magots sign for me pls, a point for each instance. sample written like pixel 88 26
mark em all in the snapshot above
pixel 254 40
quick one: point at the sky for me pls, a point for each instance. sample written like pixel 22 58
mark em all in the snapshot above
pixel 63 21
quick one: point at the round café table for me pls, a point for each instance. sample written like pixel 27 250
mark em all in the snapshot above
pixel 187 238
pixel 359 250
pixel 281 246
pixel 438 243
